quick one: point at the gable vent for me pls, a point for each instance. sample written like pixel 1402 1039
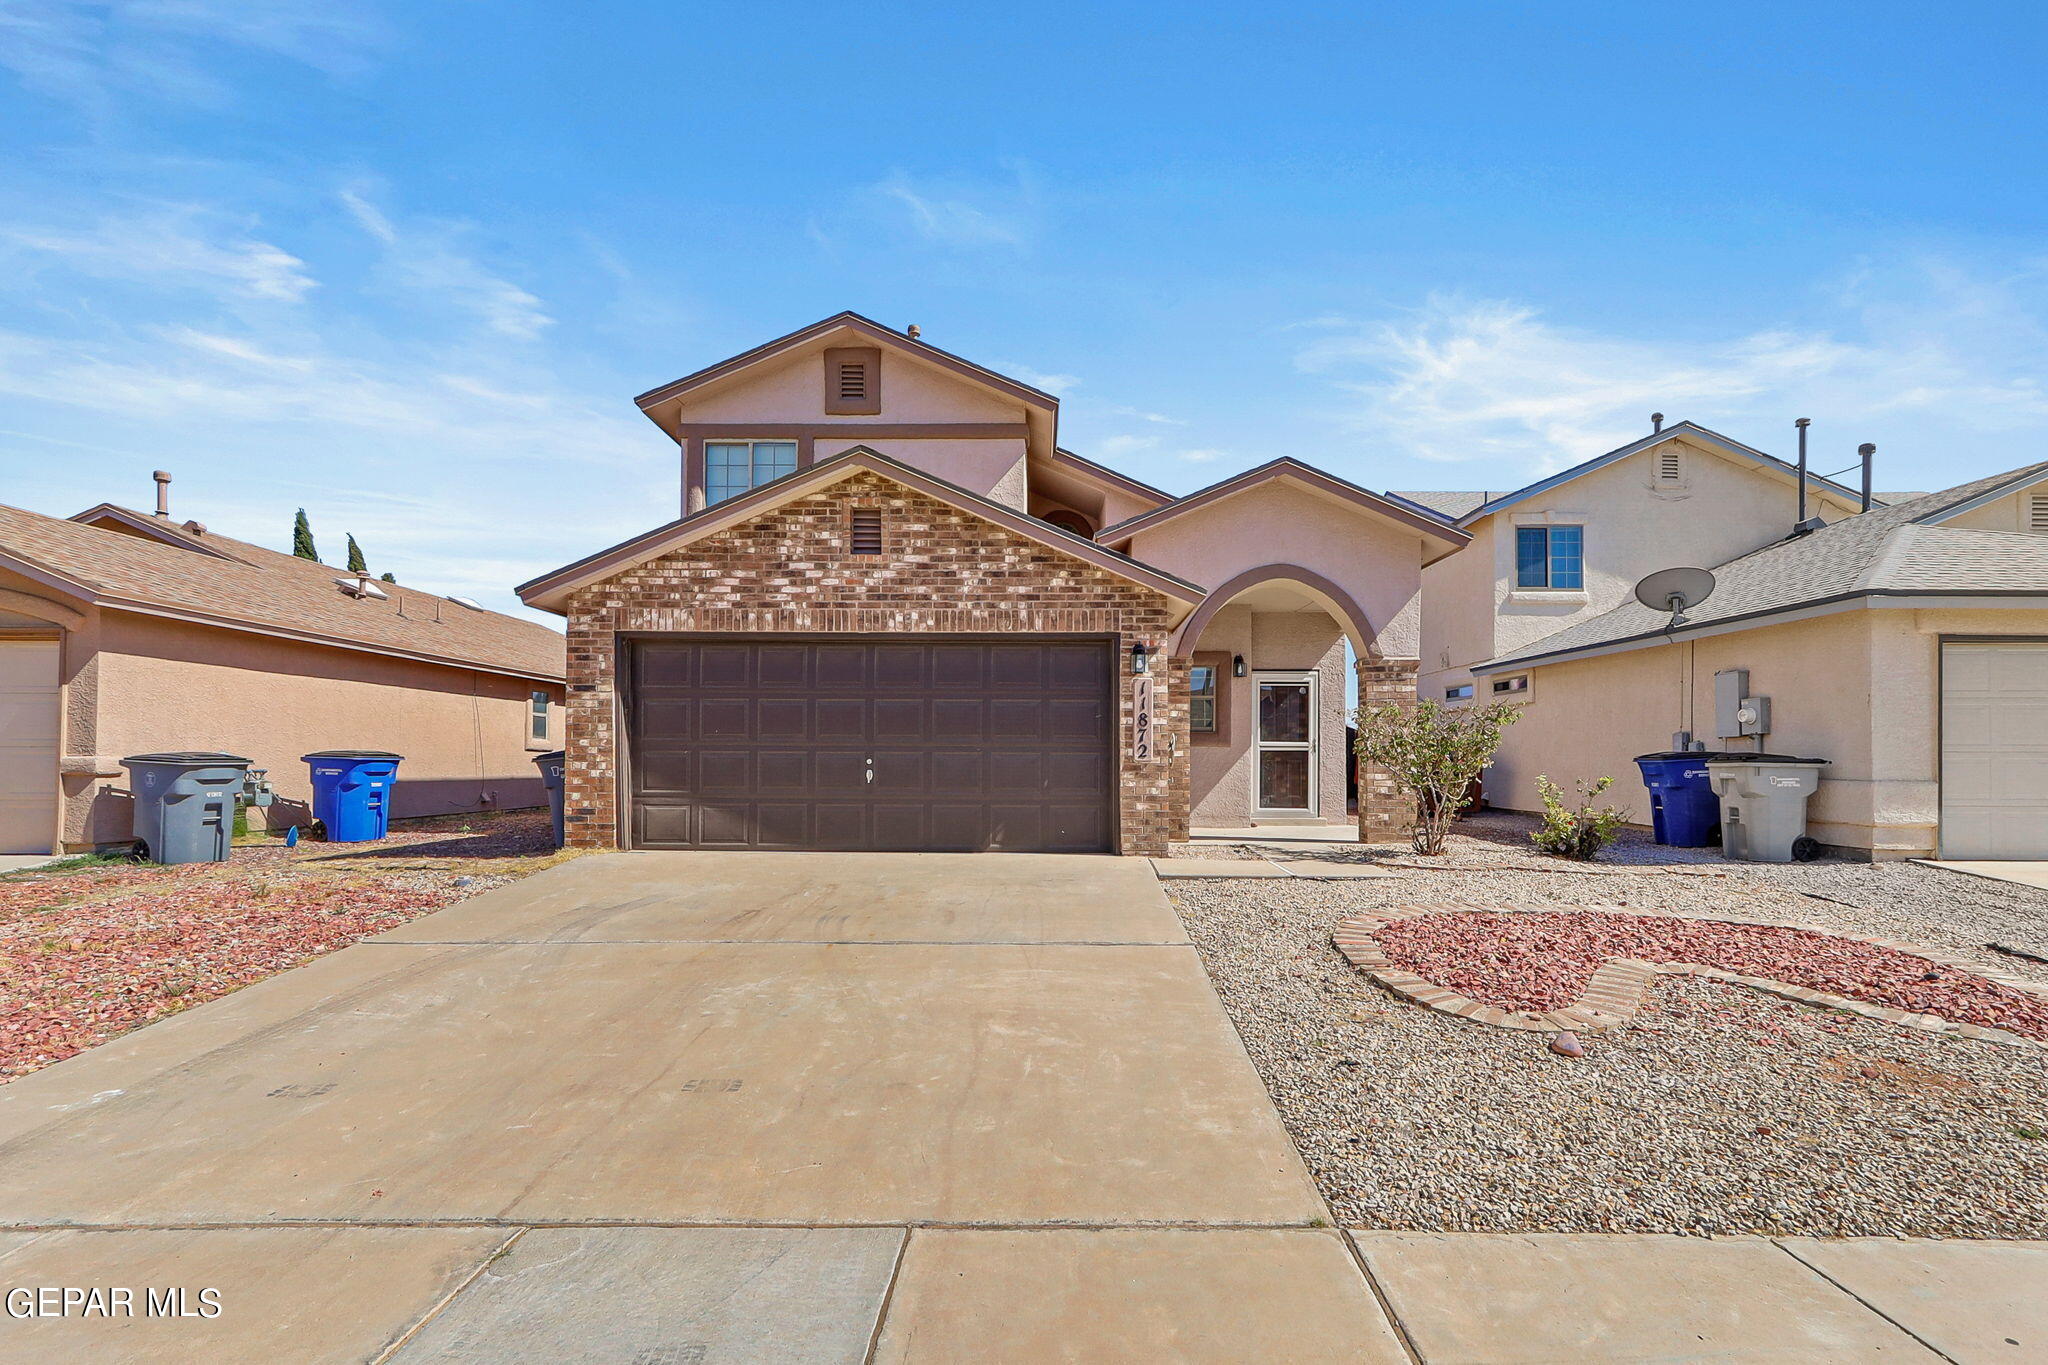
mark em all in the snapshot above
pixel 865 525
pixel 1667 464
pixel 2037 513
pixel 853 381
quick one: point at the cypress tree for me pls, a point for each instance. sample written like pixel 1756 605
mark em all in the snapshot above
pixel 389 577
pixel 302 538
pixel 356 562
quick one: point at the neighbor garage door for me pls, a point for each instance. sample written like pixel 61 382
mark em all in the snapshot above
pixel 1994 749
pixel 874 743
pixel 28 746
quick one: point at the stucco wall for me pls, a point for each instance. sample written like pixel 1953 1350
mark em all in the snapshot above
pixel 1860 688
pixel 1634 525
pixel 794 391
pixel 166 685
pixel 2008 513
pixel 1222 774
pixel 992 468
pixel 1376 561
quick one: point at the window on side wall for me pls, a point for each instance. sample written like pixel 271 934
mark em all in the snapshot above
pixel 1462 692
pixel 1550 557
pixel 1202 699
pixel 537 718
pixel 1507 687
pixel 733 467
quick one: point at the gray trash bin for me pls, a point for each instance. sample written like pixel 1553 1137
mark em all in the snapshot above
pixel 1763 805
pixel 185 804
pixel 550 765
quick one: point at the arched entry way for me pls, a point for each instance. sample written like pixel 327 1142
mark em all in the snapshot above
pixel 1264 655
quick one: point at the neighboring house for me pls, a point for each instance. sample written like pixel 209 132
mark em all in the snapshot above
pixel 125 633
pixel 1907 645
pixel 895 614
pixel 1572 546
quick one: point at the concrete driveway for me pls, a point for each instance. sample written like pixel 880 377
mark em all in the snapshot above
pixel 693 1105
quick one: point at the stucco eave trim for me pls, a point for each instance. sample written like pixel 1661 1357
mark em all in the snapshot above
pixel 1294 471
pixel 1101 473
pixel 550 592
pixel 1863 599
pixel 1725 444
pixel 916 348
pixel 76 588
pixel 2005 490
pixel 328 641
pixel 160 530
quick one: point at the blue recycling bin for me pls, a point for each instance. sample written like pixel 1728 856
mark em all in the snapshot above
pixel 352 793
pixel 1684 812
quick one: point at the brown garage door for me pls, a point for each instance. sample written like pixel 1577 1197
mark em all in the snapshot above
pixel 872 743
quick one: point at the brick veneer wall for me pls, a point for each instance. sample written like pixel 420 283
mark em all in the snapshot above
pixel 1385 812
pixel 790 570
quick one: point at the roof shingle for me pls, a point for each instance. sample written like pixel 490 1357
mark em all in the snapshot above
pixel 267 590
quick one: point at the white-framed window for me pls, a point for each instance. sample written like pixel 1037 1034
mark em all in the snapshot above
pixel 733 467
pixel 1510 686
pixel 1462 692
pixel 536 717
pixel 1550 557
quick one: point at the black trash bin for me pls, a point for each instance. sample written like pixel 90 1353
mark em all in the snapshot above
pixel 185 804
pixel 550 765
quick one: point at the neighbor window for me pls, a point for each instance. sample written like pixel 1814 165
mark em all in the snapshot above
pixel 733 467
pixel 1202 699
pixel 1550 557
pixel 537 716
pixel 1462 692
pixel 1518 683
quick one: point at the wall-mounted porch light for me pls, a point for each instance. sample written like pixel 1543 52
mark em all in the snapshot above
pixel 1139 661
pixel 1237 665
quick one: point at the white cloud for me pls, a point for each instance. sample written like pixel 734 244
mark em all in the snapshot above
pixel 1117 447
pixel 1917 348
pixel 426 259
pixel 96 56
pixel 966 215
pixel 1157 418
pixel 180 246
pixel 1200 456
pixel 1053 383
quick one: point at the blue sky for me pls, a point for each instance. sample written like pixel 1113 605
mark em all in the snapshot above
pixel 407 265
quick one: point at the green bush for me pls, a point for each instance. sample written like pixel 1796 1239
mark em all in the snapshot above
pixel 1433 752
pixel 1579 832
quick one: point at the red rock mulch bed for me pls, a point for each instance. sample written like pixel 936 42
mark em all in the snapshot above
pixel 1543 960
pixel 89 953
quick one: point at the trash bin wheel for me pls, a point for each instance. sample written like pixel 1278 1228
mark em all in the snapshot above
pixel 1805 849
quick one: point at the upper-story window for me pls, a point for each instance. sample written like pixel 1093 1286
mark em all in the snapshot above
pixel 1550 557
pixel 732 467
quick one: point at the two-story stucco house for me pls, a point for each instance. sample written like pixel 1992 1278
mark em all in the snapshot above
pixel 895 614
pixel 1572 546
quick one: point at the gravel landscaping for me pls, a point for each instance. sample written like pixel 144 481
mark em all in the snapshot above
pixel 91 950
pixel 1719 1110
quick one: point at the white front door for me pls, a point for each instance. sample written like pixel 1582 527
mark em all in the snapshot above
pixel 1994 749
pixel 1284 753
pixel 28 746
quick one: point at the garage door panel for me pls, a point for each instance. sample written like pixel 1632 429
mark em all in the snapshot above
pixel 840 720
pixel 725 667
pixel 1994 749
pixel 892 743
pixel 29 740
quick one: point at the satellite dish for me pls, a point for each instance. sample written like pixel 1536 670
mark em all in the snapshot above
pixel 1674 590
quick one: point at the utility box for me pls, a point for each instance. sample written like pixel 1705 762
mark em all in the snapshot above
pixel 185 804
pixel 1737 714
pixel 1763 805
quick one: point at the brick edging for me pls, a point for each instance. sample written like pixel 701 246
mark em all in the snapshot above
pixel 1616 989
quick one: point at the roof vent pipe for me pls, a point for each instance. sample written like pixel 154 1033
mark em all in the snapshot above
pixel 1656 422
pixel 1802 423
pixel 163 493
pixel 915 331
pixel 1866 450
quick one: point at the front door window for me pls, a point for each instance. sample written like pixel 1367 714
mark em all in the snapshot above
pixel 1286 748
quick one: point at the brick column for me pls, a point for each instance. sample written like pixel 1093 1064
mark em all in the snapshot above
pixel 1385 813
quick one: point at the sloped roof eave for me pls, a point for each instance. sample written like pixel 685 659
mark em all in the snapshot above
pixel 550 591
pixel 1364 499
